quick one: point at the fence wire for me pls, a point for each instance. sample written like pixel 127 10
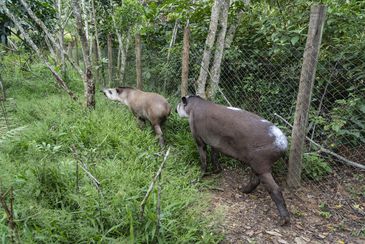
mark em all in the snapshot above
pixel 267 84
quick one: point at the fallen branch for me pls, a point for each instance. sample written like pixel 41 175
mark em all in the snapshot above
pixel 9 210
pixel 85 168
pixel 3 108
pixel 345 160
pixel 143 203
pixel 158 206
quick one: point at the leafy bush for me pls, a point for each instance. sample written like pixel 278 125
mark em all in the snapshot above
pixel 314 167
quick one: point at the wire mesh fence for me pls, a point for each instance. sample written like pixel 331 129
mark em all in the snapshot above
pixel 266 83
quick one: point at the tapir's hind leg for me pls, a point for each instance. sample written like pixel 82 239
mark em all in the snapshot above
pixel 158 132
pixel 141 122
pixel 202 148
pixel 251 186
pixel 215 160
pixel 276 196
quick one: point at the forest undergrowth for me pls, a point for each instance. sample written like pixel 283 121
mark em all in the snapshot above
pixel 56 201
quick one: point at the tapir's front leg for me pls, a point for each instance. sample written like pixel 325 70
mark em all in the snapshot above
pixel 159 133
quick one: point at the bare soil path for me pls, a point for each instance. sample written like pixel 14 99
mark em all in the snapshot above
pixel 315 217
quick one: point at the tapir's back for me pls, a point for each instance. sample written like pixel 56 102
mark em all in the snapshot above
pixel 154 106
pixel 237 133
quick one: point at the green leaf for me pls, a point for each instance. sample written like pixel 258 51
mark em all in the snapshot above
pixel 294 39
pixel 362 108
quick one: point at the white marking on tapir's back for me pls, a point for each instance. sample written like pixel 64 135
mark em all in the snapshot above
pixel 280 139
pixel 233 108
pixel 264 120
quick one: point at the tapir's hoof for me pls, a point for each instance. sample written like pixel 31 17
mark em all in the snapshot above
pixel 217 170
pixel 284 221
pixel 246 190
pixel 205 174
pixel 161 141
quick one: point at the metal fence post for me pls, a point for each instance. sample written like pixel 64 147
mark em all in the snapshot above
pixel 307 76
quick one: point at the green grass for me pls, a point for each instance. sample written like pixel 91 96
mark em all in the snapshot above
pixel 39 164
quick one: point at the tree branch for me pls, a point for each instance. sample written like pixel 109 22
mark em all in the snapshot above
pixel 50 37
pixel 143 203
pixel 59 80
pixel 346 161
pixel 84 168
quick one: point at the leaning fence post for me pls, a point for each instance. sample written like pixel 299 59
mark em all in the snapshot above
pixel 185 61
pixel 310 58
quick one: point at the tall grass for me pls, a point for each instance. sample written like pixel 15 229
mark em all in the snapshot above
pixel 56 203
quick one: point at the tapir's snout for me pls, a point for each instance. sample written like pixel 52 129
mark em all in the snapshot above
pixel 102 91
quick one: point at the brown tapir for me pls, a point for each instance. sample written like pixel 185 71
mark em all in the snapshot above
pixel 144 105
pixel 239 134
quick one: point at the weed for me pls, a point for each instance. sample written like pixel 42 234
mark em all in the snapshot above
pixel 314 167
pixel 38 162
pixel 324 211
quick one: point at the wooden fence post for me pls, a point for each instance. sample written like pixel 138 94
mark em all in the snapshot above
pixel 110 58
pixel 185 61
pixel 307 76
pixel 139 84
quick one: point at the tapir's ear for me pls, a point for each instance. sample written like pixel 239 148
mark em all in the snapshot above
pixel 184 100
pixel 119 90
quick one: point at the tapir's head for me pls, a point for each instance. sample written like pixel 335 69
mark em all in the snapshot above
pixel 186 105
pixel 111 93
pixel 117 94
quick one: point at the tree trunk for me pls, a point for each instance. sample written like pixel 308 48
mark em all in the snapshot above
pixel 307 76
pixel 96 41
pixel 96 60
pixel 120 47
pixel 124 53
pixel 185 61
pixel 173 38
pixel 139 61
pixel 232 28
pixel 110 58
pixel 61 38
pixel 49 45
pixel 69 49
pixel 218 55
pixel 89 85
pixel 77 58
pixel 27 38
pixel 204 67
pixel 84 17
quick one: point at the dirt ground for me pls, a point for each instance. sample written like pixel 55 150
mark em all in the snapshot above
pixel 316 217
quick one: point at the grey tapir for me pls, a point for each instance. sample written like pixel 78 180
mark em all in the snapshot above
pixel 239 134
pixel 144 105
